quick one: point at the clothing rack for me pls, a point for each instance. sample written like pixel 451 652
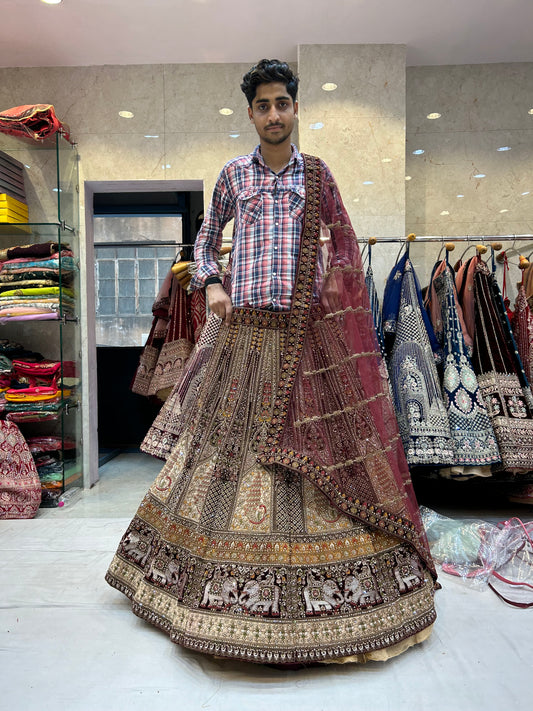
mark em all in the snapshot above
pixel 447 238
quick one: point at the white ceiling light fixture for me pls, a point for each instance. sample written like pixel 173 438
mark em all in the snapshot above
pixel 433 116
pixel 418 152
pixel 316 126
pixel 526 193
pixel 460 196
pixel 445 212
pixel 408 177
pixel 148 135
pixel 480 175
pixel 368 182
pixel 501 149
pixel 234 135
pixel 502 211
pixel 530 111
pixel 329 86
pixel 225 111
pixel 126 114
pixel 51 2
pixel 386 160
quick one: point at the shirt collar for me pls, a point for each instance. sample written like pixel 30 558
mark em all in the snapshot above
pixel 295 161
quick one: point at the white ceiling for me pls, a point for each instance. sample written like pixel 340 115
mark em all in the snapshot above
pixel 90 32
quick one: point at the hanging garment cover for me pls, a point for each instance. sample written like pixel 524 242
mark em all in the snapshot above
pixel 375 307
pixel 523 331
pixel 474 442
pixel 20 489
pixel 415 382
pixel 498 376
pixel 37 121
pixel 283 526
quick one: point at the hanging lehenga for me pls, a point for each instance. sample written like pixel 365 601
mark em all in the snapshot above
pixel 499 371
pixel 283 526
pixel 422 417
pixel 472 435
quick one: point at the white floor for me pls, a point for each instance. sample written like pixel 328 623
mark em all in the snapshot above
pixel 70 643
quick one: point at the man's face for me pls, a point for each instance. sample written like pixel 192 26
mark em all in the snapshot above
pixel 273 113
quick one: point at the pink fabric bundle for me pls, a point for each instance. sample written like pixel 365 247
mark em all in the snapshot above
pixel 37 121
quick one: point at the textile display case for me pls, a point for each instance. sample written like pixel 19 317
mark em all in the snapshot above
pixel 39 305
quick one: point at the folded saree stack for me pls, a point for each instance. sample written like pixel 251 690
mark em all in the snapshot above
pixel 36 282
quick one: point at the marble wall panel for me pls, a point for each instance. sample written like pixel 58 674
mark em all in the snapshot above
pixel 484 108
pixel 359 130
pixel 89 98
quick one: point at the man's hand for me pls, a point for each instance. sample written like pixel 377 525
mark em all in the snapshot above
pixel 330 295
pixel 219 302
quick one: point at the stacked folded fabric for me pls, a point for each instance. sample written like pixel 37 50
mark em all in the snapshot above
pixel 37 287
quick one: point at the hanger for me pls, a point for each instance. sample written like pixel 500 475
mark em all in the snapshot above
pixel 450 246
pixel 405 245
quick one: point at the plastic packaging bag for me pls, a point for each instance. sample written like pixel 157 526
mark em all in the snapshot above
pixel 485 554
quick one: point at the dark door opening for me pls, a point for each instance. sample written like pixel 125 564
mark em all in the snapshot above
pixel 137 237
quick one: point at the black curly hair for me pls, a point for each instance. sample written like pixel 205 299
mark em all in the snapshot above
pixel 265 72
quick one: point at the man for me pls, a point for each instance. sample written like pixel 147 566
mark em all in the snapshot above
pixel 283 527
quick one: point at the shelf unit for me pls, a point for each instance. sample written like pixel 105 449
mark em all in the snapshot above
pixel 52 193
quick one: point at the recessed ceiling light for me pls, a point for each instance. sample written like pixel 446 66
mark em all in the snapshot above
pixel 51 2
pixel 504 148
pixel 368 182
pixel 460 196
pixel 234 135
pixel 418 152
pixel 501 211
pixel 480 175
pixel 356 199
pixel 445 212
pixel 329 86
pixel 225 111
pixel 151 136
pixel 165 166
pixel 530 111
pixel 386 160
pixel 408 177
pixel 126 114
pixel 433 116
pixel 316 126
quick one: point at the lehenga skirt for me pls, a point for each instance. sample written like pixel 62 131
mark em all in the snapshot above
pixel 253 562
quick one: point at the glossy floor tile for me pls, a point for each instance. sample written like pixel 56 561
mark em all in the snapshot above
pixel 69 642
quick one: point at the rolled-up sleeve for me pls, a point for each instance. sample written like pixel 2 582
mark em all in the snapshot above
pixel 209 238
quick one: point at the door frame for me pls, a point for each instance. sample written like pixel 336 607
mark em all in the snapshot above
pixel 88 303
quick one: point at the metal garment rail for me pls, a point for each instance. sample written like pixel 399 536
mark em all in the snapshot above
pixel 482 239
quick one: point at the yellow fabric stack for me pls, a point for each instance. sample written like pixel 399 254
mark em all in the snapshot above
pixel 12 210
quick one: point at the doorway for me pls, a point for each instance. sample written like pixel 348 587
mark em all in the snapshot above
pixel 134 233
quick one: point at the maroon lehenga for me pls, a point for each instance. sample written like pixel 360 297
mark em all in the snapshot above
pixel 283 526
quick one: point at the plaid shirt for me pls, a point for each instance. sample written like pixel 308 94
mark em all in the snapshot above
pixel 268 209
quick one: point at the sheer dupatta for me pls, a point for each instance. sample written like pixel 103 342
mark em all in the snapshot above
pixel 335 421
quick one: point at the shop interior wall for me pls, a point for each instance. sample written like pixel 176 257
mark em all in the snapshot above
pixel 484 108
pixel 376 111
